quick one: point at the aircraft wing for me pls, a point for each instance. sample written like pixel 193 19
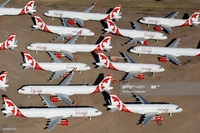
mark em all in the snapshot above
pixel 79 21
pixel 57 74
pixel 74 38
pixel 175 43
pixel 130 75
pixel 54 58
pixel 65 98
pixel 67 54
pixel 140 98
pixel 4 3
pixel 48 102
pixel 90 8
pixel 53 121
pixel 68 78
pixel 134 40
pixel 172 15
pixel 128 58
pixel 148 117
pixel 167 28
pixel 65 23
pixel 136 26
pixel 61 37
pixel 173 59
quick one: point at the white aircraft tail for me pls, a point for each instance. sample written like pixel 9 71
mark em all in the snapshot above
pixel 116 103
pixel 103 61
pixel 114 14
pixel 29 8
pixel 104 44
pixel 29 61
pixel 112 28
pixel 193 19
pixel 3 80
pixel 10 108
pixel 104 85
pixel 10 42
pixel 40 25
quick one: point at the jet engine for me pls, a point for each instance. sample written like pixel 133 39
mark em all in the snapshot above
pixel 140 76
pixel 71 21
pixel 163 59
pixel 54 99
pixel 59 55
pixel 64 122
pixel 158 28
pixel 144 42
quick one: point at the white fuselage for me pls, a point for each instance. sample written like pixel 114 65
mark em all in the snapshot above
pixel 66 31
pixel 142 34
pixel 53 90
pixel 163 21
pixel 137 67
pixel 166 50
pixel 10 11
pixel 72 48
pixel 152 108
pixel 65 112
pixel 74 14
pixel 64 66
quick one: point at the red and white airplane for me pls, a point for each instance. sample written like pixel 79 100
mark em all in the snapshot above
pixel 3 80
pixel 136 35
pixel 53 113
pixel 169 21
pixel 63 91
pixel 171 52
pixel 28 9
pixel 132 68
pixel 57 66
pixel 69 48
pixel 65 31
pixel 9 43
pixel 149 110
pixel 80 17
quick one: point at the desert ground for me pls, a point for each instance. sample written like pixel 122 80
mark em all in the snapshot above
pixel 119 122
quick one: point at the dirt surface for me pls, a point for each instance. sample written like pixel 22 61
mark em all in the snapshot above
pixel 118 122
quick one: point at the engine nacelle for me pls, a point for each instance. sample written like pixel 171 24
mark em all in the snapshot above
pixel 163 59
pixel 64 122
pixel 54 99
pixel 71 21
pixel 140 76
pixel 59 55
pixel 158 28
pixel 145 42
pixel 158 118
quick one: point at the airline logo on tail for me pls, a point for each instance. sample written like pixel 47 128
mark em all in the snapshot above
pixel 29 8
pixel 41 24
pixel 113 28
pixel 114 14
pixel 104 85
pixel 103 59
pixel 194 18
pixel 9 43
pixel 118 103
pixel 104 44
pixel 30 61
pixel 10 107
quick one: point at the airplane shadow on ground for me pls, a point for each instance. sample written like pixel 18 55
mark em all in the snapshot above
pixel 96 58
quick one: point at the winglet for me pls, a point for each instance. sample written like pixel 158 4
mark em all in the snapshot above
pixel 95 3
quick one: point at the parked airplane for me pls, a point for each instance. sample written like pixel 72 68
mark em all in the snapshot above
pixel 132 68
pixel 9 43
pixel 3 80
pixel 136 35
pixel 53 113
pixel 69 48
pixel 148 110
pixel 28 9
pixel 170 52
pixel 169 21
pixel 57 66
pixel 63 91
pixel 80 17
pixel 65 31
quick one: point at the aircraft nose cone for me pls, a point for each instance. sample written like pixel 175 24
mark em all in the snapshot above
pixel 92 33
pixel 180 109
pixel 99 113
pixel 28 47
pixel 88 67
pixel 132 50
pixel 19 91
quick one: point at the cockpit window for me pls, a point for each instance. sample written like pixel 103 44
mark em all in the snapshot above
pixel 160 67
pixel 177 108
pixel 97 111
pixel 22 89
